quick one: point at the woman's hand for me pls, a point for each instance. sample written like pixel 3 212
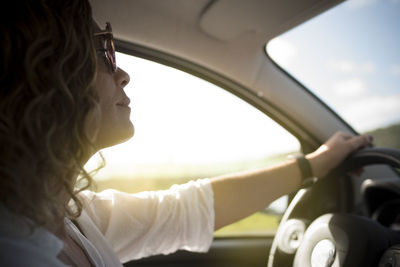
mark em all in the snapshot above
pixel 335 150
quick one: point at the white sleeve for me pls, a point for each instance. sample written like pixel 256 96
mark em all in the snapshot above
pixel 155 222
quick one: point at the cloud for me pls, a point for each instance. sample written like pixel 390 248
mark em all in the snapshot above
pixel 367 67
pixel 348 66
pixel 363 108
pixel 371 112
pixel 395 69
pixel 349 88
pixel 342 65
pixel 282 51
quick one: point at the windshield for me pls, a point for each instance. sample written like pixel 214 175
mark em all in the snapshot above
pixel 349 56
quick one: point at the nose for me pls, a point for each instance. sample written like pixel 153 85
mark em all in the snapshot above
pixel 121 77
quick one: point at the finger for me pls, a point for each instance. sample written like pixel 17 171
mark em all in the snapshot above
pixel 359 141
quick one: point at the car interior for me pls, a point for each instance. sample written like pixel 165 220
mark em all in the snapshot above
pixel 344 220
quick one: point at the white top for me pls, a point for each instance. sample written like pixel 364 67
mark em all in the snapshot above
pixel 119 227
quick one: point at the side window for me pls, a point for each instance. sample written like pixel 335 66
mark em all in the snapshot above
pixel 187 128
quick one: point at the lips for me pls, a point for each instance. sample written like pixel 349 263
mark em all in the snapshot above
pixel 124 103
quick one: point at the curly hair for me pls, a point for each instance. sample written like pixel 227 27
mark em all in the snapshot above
pixel 47 97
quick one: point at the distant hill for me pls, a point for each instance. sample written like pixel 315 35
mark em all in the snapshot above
pixel 387 137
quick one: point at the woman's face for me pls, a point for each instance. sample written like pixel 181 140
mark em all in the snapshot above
pixel 115 125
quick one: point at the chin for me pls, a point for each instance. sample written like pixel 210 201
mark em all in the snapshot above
pixel 125 134
pixel 115 137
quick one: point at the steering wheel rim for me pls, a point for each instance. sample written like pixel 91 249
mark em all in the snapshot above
pixel 358 159
pixel 372 155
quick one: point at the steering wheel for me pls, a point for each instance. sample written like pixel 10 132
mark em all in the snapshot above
pixel 328 236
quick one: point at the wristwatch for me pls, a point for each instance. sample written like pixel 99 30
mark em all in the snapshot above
pixel 307 177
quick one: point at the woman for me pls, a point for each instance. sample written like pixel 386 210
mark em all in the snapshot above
pixel 61 100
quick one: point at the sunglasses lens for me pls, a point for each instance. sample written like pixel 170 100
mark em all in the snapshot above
pixel 110 54
pixel 111 49
pixel 108 46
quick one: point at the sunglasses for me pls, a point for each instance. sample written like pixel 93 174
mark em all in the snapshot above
pixel 108 48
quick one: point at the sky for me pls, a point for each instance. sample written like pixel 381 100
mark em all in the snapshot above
pixel 347 56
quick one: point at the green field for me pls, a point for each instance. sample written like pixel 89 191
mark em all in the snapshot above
pixel 256 224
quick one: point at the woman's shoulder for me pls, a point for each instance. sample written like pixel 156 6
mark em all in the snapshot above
pixel 18 252
pixel 23 245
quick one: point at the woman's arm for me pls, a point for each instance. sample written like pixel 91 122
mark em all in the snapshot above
pixel 239 195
